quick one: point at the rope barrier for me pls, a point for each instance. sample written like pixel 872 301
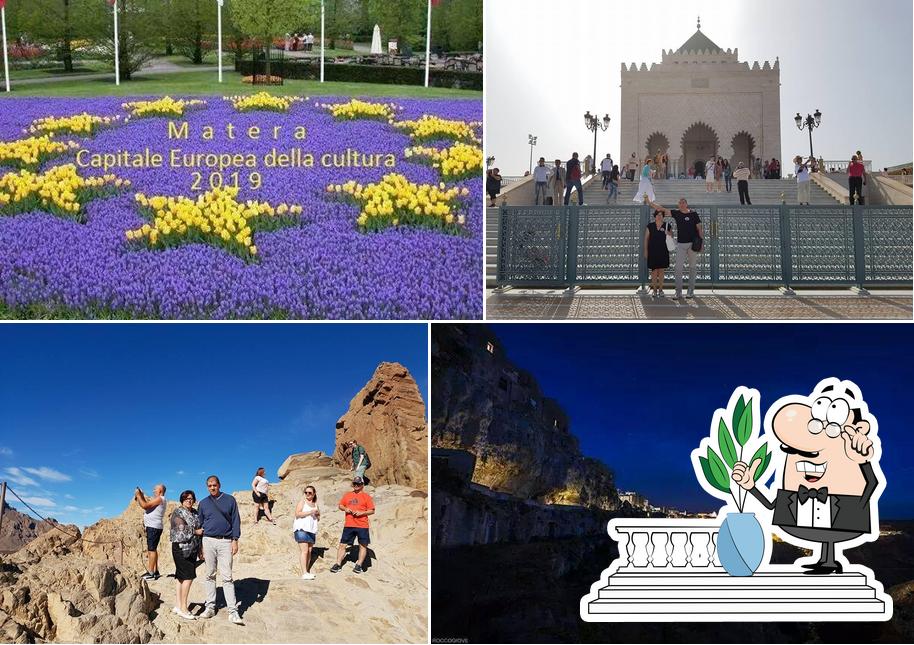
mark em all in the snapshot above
pixel 55 525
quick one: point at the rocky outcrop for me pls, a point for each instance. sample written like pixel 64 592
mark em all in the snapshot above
pixel 52 592
pixel 387 416
pixel 521 439
pixel 59 588
pixel 18 529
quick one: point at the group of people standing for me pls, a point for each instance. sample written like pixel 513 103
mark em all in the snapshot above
pixel 208 533
pixel 659 243
pixel 299 42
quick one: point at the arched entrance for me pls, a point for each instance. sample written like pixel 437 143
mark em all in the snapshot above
pixel 743 149
pixel 699 143
pixel 657 145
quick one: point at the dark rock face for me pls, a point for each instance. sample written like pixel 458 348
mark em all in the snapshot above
pixel 483 404
pixel 19 529
pixel 466 514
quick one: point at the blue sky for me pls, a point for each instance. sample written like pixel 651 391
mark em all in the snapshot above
pixel 92 410
pixel 640 397
pixel 546 66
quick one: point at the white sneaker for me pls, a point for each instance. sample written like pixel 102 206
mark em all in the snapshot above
pixel 308 576
pixel 235 619
pixel 209 612
pixel 175 610
pixel 187 615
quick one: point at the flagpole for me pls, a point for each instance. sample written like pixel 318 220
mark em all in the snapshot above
pixel 6 63
pixel 322 41
pixel 428 40
pixel 219 37
pixel 117 53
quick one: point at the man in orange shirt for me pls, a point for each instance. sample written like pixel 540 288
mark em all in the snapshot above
pixel 357 505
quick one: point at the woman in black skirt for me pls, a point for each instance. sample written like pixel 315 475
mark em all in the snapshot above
pixel 493 185
pixel 655 251
pixel 186 532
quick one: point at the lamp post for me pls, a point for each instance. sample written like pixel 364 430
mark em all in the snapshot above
pixel 811 122
pixel 594 124
pixel 490 161
pixel 532 141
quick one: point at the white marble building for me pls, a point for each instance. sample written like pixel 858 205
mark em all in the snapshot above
pixel 701 101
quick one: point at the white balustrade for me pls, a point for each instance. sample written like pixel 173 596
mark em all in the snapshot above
pixel 666 543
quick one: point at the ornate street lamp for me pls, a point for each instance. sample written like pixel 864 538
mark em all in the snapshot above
pixel 811 122
pixel 594 124
pixel 490 161
pixel 532 141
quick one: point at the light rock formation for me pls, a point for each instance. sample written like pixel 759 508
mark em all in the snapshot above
pixel 387 416
pixel 18 529
pixel 59 589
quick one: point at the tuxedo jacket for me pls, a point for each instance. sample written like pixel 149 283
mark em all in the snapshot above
pixel 848 512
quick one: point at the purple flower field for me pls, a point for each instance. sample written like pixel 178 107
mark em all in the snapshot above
pixel 323 268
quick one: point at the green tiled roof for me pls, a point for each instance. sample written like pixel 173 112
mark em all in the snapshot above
pixel 699 42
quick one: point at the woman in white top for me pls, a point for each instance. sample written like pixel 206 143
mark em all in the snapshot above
pixel 304 528
pixel 645 185
pixel 709 174
pixel 261 487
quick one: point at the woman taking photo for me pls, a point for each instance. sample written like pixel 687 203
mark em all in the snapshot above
pixel 185 536
pixel 261 487
pixel 656 252
pixel 304 529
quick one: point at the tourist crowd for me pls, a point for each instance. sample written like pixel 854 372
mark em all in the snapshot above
pixel 208 533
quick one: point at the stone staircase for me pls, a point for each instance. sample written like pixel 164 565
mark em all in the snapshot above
pixel 761 192
pixel 702 596
pixel 491 237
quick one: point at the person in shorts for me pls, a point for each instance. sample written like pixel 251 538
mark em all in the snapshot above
pixel 304 529
pixel 357 505
pixel 360 460
pixel 185 536
pixel 260 487
pixel 153 516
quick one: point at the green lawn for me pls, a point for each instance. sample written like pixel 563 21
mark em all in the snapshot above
pixel 81 67
pixel 185 83
pixel 209 59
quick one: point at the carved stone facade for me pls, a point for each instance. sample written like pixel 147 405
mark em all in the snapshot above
pixel 701 101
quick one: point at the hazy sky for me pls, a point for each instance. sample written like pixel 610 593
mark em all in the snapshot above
pixel 90 411
pixel 549 62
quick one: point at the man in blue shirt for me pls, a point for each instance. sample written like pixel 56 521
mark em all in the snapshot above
pixel 221 530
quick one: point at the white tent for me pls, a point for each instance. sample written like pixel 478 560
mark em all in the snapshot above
pixel 376 40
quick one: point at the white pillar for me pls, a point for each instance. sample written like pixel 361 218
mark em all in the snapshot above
pixel 117 52
pixel 219 36
pixel 428 40
pixel 323 40
pixel 6 68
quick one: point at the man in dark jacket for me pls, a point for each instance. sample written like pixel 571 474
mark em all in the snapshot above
pixel 573 179
pixel 221 530
pixel 826 444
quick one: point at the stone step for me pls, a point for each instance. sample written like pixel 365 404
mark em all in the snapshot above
pixel 635 592
pixel 672 595
pixel 720 578
pixel 809 610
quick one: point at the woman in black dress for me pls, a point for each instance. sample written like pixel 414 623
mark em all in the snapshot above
pixel 493 185
pixel 655 251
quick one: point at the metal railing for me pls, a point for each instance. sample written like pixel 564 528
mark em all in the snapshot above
pixel 770 246
pixel 831 165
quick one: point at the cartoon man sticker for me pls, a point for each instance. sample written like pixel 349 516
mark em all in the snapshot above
pixel 831 480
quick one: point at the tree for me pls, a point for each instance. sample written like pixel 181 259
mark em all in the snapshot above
pixel 457 25
pixel 53 22
pixel 193 27
pixel 403 20
pixel 141 30
pixel 266 19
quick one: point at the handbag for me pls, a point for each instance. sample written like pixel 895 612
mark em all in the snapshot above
pixel 670 242
pixel 697 243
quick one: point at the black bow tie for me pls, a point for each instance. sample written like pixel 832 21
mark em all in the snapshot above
pixel 820 494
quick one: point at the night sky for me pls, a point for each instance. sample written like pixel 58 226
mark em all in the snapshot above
pixel 641 396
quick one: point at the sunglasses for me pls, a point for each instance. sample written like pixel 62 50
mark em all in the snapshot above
pixel 308 492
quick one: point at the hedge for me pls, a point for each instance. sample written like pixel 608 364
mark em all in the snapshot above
pixel 305 70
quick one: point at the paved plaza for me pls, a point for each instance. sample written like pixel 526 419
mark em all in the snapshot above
pixel 717 304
